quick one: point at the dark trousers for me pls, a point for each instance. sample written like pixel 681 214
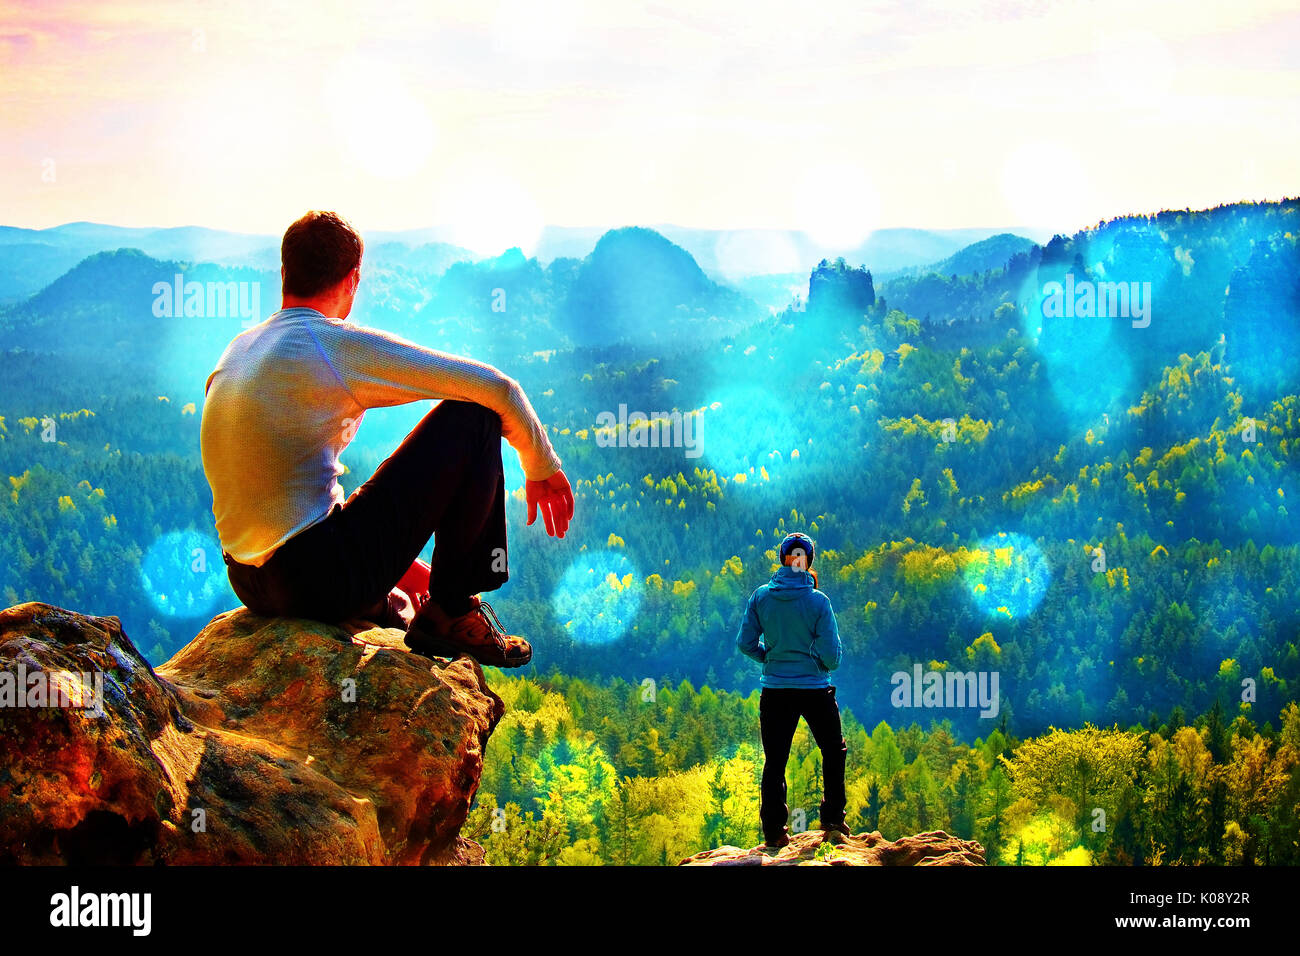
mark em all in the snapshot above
pixel 445 478
pixel 779 710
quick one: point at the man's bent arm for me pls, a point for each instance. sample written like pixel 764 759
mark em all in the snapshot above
pixel 380 369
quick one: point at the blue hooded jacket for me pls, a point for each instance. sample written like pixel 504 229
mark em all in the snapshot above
pixel 800 641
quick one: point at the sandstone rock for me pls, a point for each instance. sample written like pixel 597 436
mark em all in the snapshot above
pixel 299 742
pixel 866 849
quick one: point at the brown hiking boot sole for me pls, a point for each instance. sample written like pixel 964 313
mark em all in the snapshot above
pixel 430 646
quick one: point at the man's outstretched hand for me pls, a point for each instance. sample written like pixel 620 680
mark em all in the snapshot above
pixel 555 498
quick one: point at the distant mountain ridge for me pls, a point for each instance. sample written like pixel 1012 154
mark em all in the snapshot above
pixel 635 287
pixel 991 253
pixel 1189 254
pixel 32 258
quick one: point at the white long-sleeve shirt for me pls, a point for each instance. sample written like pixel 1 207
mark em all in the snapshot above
pixel 288 395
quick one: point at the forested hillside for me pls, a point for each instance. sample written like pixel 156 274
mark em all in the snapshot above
pixel 583 773
pixel 1100 511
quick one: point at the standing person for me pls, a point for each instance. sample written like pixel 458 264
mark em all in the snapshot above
pixel 790 629
pixel 286 398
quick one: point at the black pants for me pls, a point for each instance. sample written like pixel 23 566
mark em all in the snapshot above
pixel 445 477
pixel 779 710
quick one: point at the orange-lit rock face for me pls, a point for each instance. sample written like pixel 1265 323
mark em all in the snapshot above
pixel 264 740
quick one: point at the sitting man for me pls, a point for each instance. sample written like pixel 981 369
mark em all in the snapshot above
pixel 286 398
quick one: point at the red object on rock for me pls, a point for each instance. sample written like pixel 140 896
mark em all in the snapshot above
pixel 415 582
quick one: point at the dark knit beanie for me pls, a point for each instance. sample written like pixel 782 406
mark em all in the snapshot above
pixel 797 540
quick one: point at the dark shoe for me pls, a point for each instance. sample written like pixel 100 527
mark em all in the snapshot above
pixel 835 837
pixel 833 819
pixel 776 842
pixel 477 633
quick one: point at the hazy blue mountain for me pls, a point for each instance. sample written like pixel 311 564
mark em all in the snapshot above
pixel 193 243
pixel 637 285
pixel 26 267
pixel 75 235
pixel 735 253
pixel 32 258
pixel 107 312
pixel 991 253
pixel 430 258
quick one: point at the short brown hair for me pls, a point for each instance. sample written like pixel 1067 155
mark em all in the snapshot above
pixel 317 252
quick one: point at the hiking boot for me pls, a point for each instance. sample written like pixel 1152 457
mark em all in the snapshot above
pixel 477 633
pixel 836 827
pixel 776 842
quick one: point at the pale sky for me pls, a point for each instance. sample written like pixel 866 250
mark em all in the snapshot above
pixel 830 117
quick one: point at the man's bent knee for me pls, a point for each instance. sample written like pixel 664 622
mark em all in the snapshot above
pixel 472 415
